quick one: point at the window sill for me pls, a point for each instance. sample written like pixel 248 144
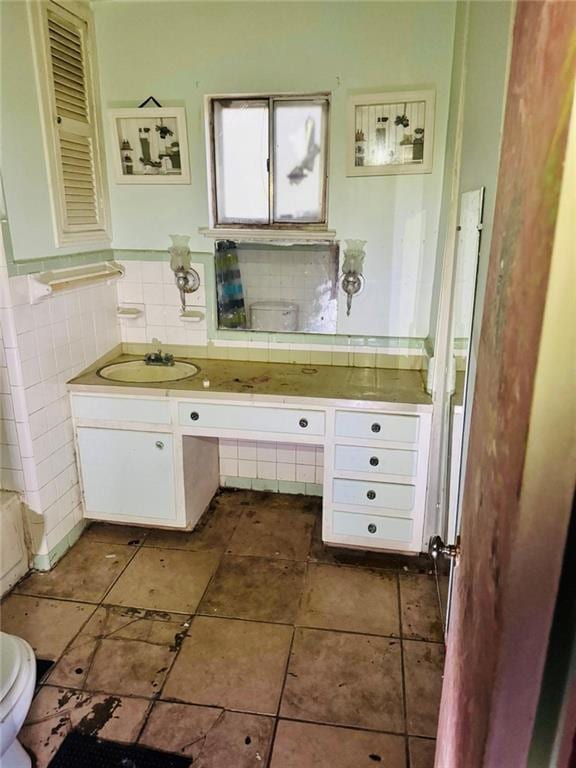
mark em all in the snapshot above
pixel 275 236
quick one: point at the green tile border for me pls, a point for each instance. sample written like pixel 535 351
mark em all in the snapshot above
pixel 275 486
pixel 47 562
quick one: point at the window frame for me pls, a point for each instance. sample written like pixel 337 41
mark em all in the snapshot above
pixel 97 236
pixel 320 226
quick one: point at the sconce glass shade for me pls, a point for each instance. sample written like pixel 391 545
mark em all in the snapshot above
pixel 179 252
pixel 354 256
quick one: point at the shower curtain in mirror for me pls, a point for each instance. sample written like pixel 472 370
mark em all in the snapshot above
pixel 231 307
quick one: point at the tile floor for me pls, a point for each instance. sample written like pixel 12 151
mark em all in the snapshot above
pixel 245 643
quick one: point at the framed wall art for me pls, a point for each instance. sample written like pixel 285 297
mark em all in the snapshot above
pixel 390 133
pixel 150 145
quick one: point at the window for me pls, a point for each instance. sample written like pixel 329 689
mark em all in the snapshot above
pixel 268 161
pixel 63 51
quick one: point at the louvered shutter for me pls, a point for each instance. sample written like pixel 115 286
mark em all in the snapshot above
pixel 78 167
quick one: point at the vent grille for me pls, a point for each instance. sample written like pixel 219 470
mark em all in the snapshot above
pixel 68 71
pixel 81 203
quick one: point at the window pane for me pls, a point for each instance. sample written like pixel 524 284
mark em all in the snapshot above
pixel 241 144
pixel 299 160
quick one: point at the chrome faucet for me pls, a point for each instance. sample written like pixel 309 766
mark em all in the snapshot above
pixel 159 358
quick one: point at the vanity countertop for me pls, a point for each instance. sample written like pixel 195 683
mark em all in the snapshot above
pixel 271 381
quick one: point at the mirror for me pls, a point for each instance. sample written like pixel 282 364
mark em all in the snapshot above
pixel 466 271
pixel 279 289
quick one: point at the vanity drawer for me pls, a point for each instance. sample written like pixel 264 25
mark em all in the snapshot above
pixel 377 426
pixel 371 494
pixel 250 418
pixel 128 409
pixel 378 461
pixel 372 527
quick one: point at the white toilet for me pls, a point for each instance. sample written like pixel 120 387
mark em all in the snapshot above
pixel 17 681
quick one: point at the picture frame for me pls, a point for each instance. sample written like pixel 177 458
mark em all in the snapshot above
pixel 150 145
pixel 390 133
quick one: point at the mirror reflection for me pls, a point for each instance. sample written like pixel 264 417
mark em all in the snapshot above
pixel 284 289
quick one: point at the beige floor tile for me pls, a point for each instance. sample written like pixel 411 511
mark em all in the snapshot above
pixel 48 625
pixel 420 607
pixel 352 599
pixel 423 668
pixel 110 533
pixel 85 573
pixel 212 737
pixel 281 529
pixel 165 580
pixel 212 532
pixel 122 651
pixel 345 679
pixel 422 752
pixel 231 664
pixel 305 745
pixel 255 588
pixel 56 711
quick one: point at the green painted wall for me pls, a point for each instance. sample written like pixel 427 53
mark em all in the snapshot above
pixel 181 51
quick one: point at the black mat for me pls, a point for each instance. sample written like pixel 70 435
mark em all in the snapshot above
pixel 78 751
pixel 42 668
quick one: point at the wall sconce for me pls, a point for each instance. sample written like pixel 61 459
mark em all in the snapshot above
pixel 187 279
pixel 352 277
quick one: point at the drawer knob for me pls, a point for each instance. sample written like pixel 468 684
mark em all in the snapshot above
pixel 371 495
pixel 375 427
pixel 303 423
pixel 194 415
pixel 159 444
pixel 374 461
pixel 372 528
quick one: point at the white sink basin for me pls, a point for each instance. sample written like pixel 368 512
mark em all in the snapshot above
pixel 138 372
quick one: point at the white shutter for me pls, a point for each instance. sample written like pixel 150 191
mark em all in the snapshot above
pixel 70 114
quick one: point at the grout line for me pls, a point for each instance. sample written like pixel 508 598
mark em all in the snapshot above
pixel 281 696
pixel 404 707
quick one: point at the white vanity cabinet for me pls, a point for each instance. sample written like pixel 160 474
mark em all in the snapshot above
pixel 127 474
pixel 154 461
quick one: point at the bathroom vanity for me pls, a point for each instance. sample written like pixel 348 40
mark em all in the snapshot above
pixel 148 453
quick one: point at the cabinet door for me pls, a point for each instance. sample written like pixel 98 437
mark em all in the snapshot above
pixel 127 475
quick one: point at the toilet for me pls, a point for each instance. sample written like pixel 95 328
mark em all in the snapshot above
pixel 273 316
pixel 17 681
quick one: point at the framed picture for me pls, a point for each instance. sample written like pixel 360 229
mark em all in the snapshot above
pixel 390 133
pixel 150 145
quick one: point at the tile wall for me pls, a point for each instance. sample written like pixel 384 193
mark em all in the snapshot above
pixel 45 344
pixel 267 466
pixel 149 286
pixel 11 475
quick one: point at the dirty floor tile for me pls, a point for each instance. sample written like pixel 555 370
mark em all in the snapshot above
pixel 48 625
pixel 56 711
pixel 212 737
pixel 231 664
pixel 110 533
pixel 422 752
pixel 299 745
pixel 255 588
pixel 165 580
pixel 351 599
pixel 274 531
pixel 213 531
pixel 121 651
pixel 86 572
pixel 330 673
pixel 420 607
pixel 423 668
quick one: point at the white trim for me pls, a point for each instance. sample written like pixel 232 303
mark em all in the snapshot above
pixel 276 236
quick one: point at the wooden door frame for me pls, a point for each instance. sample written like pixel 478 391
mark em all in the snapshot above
pixel 521 462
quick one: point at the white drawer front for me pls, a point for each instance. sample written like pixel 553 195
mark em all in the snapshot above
pixel 377 426
pixel 378 495
pixel 372 527
pixel 121 409
pixel 379 461
pixel 252 418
